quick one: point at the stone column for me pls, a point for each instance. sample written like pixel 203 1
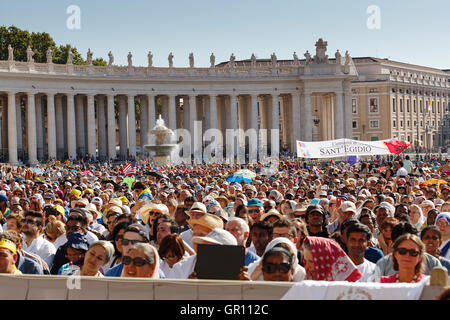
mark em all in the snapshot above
pixel 172 112
pixel 234 120
pixel 31 129
pixel 19 127
pixel 339 117
pixel 348 116
pixel 275 135
pixel 91 126
pixel 397 102
pixel 122 127
pixel 59 126
pixel 213 122
pixel 144 122
pixel 192 118
pixel 253 151
pixel 282 120
pixel 12 130
pixel 151 111
pixel 4 129
pixel 307 111
pixel 111 127
pixel 131 127
pixel 102 137
pixel 39 129
pixel 51 126
pixel 71 141
pixel 79 111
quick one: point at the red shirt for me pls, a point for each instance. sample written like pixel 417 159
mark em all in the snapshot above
pixel 393 278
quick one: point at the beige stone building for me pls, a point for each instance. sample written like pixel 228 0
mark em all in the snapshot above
pixel 67 111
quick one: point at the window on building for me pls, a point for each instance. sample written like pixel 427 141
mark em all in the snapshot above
pixel 421 106
pixel 355 124
pixel 433 124
pixel 401 105
pixel 415 123
pixel 439 107
pixel 401 123
pixel 415 106
pixel 421 124
pixel 355 138
pixel 373 124
pixel 407 106
pixel 394 124
pixel 394 105
pixel 354 106
pixel 408 124
pixel 373 105
pixel 374 138
pixel 409 138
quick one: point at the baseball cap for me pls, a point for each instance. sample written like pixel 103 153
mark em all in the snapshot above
pixel 348 206
pixel 217 236
pixel 254 202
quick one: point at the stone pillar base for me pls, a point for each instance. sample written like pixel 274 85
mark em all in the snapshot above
pixel 161 161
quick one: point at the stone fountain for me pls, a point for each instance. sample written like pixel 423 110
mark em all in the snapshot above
pixel 161 149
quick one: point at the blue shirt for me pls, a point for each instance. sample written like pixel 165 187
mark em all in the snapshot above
pixel 373 254
pixel 250 257
pixel 29 266
pixel 117 272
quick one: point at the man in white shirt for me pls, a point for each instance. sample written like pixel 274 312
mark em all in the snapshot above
pixel 197 211
pixel 358 236
pixel 33 241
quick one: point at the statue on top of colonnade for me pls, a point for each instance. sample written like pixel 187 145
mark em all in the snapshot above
pixel 111 59
pixel 253 59
pixel 295 56
pixel 10 53
pixel 321 48
pixel 232 60
pixel 150 59
pixel 130 59
pixel 308 57
pixel 191 60
pixel 89 57
pixel 49 55
pixel 273 58
pixel 212 60
pixel 69 57
pixel 30 54
pixel 170 58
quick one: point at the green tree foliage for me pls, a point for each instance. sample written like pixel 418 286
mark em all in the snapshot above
pixel 61 53
pixel 99 62
pixel 19 40
pixel 40 44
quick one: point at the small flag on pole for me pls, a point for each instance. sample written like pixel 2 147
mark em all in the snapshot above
pixel 130 169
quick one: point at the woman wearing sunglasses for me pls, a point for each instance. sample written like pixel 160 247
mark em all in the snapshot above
pixel 407 259
pixel 141 261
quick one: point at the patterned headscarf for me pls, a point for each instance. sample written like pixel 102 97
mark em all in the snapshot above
pixel 331 263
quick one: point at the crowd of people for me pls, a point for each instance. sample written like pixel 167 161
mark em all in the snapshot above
pixel 372 221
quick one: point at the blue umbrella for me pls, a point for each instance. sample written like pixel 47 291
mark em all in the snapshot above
pixel 239 177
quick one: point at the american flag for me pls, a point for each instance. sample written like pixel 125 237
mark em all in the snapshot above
pixel 129 169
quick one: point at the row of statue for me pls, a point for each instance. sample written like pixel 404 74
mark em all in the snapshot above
pixel 320 57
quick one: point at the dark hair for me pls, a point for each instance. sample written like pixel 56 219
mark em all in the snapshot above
pixel 171 242
pixel 281 223
pixel 402 228
pixel 165 218
pixel 138 185
pixel 264 225
pixel 432 228
pixel 359 227
pixel 35 214
pixel 117 228
pixel 346 223
pixel 82 219
pixel 190 199
pixel 403 217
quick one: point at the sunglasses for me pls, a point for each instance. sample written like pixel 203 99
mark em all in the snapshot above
pixel 412 252
pixel 301 216
pixel 273 267
pixel 154 213
pixel 255 211
pixel 126 242
pixel 138 262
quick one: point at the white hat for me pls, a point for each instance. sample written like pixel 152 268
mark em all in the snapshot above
pixel 347 206
pixel 217 236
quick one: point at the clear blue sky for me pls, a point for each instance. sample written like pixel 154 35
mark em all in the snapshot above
pixel 411 31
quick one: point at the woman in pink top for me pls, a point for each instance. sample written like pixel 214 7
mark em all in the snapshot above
pixel 408 258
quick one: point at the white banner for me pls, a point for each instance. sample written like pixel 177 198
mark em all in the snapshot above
pixel 341 148
pixel 342 290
